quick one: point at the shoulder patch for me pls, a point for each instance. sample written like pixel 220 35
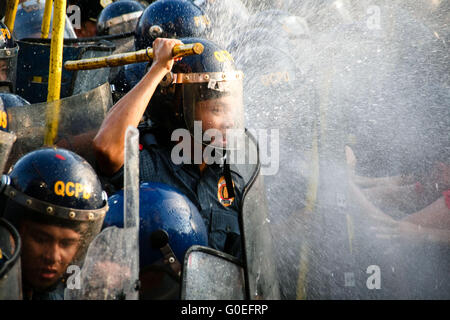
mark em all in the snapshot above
pixel 222 193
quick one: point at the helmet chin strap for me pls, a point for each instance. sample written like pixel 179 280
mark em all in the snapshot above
pixel 159 239
pixel 227 175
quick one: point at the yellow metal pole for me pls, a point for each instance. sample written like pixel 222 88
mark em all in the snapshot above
pixel 46 19
pixel 10 16
pixel 55 70
pixel 130 57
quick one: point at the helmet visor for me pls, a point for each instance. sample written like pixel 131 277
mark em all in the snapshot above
pixel 214 110
pixel 28 23
pixel 120 25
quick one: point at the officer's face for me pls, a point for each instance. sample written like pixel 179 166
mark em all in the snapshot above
pixel 47 252
pixel 219 114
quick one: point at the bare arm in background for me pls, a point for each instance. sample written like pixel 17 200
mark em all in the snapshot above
pixel 399 194
pixel 432 223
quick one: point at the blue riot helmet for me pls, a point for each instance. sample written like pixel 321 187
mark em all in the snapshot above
pixel 57 187
pixel 170 19
pixel 164 19
pixel 169 225
pixel 8 59
pixel 119 17
pixel 9 100
pixel 29 18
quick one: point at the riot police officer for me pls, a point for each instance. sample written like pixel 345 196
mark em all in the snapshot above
pixel 55 199
pixel 170 19
pixel 211 106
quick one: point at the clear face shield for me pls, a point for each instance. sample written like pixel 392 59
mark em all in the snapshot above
pixel 122 24
pixel 8 65
pixel 29 18
pixel 213 108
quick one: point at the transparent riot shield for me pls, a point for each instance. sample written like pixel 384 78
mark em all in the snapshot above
pixel 260 272
pixel 279 108
pixel 111 268
pixel 10 272
pixel 75 119
pixel 33 67
pixel 209 274
pixel 124 42
pixel 6 142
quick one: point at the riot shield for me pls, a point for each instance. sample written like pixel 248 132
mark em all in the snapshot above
pixel 209 274
pixel 33 67
pixel 260 271
pixel 279 105
pixel 78 120
pixel 6 142
pixel 111 267
pixel 10 272
pixel 123 42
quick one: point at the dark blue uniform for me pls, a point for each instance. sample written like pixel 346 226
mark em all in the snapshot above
pixel 205 190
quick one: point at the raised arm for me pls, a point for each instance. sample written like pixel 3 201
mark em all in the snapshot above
pixel 109 142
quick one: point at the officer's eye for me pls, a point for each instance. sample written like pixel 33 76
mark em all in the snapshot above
pixel 67 243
